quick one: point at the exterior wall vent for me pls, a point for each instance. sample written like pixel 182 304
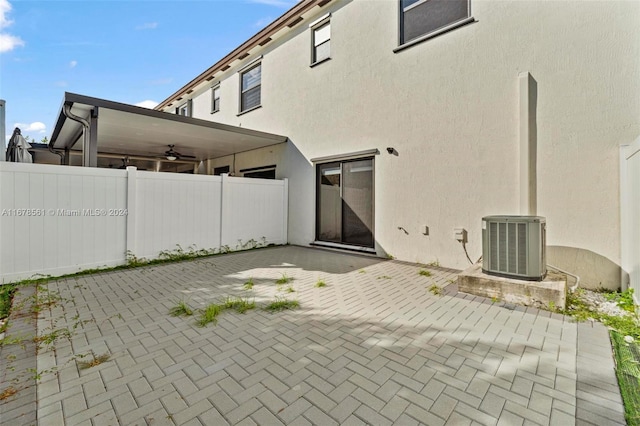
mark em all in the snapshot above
pixel 514 246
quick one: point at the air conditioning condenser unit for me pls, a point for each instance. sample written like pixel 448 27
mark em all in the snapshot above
pixel 514 246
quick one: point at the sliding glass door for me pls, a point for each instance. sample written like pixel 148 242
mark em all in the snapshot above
pixel 345 202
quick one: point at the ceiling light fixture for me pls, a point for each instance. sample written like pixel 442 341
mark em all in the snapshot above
pixel 171 157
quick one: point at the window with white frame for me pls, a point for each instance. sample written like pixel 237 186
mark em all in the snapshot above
pixel 321 47
pixel 215 99
pixel 250 81
pixel 184 109
pixel 420 18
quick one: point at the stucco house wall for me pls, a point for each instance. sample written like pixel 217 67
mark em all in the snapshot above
pixel 450 108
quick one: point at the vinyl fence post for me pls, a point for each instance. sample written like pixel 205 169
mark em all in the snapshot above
pixel 285 211
pixel 131 211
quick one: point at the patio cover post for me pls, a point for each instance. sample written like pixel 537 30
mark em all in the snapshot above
pixel 90 148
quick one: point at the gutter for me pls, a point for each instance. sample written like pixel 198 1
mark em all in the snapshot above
pixel 85 124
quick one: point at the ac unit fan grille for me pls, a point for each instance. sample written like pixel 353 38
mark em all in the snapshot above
pixel 508 247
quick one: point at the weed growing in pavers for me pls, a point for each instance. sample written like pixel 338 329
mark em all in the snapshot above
pixel 436 290
pixel 6 296
pixel 627 357
pixel 239 304
pixel 281 304
pixel 284 279
pixel 627 325
pixel 181 309
pixel 362 271
pixel 624 300
pixel 94 361
pixel 290 289
pixel 424 272
pixel 384 277
pixel 320 284
pixel 208 315
pixel 435 264
pixel 248 285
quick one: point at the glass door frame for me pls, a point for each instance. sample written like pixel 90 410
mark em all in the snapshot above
pixel 340 163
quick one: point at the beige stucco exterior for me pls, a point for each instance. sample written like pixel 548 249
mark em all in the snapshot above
pixel 451 107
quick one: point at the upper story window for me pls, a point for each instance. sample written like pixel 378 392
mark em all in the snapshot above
pixel 215 99
pixel 185 109
pixel 423 18
pixel 250 88
pixel 321 47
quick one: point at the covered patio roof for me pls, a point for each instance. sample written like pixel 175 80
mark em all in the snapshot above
pixel 117 130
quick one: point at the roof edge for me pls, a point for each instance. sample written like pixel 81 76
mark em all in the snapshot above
pixel 73 98
pixel 260 38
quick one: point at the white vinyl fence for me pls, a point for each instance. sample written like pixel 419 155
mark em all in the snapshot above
pixel 58 219
pixel 630 213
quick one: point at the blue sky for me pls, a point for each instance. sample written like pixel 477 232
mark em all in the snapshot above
pixel 130 51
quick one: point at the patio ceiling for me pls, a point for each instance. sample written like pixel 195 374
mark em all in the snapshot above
pixel 128 130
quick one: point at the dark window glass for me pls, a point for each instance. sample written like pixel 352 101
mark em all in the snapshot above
pixel 423 17
pixel 215 99
pixel 261 174
pixel 220 170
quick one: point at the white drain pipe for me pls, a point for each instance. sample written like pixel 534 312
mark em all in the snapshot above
pixel 575 286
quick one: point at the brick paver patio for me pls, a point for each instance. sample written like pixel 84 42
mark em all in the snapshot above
pixel 374 346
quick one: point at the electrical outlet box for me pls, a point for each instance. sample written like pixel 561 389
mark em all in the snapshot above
pixel 460 234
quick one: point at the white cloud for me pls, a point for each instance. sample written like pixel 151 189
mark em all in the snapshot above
pixel 36 126
pixel 61 83
pixel 275 3
pixel 7 41
pixel 147 104
pixel 145 26
pixel 5 8
pixel 73 64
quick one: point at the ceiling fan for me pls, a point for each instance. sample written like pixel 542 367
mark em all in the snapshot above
pixel 172 155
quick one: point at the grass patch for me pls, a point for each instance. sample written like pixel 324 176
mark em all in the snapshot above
pixel 290 289
pixel 436 290
pixel 626 325
pixel 239 304
pixel 320 284
pixel 282 304
pixel 181 310
pixel 6 296
pixel 284 279
pixel 424 272
pixel 627 357
pixel 248 285
pixel 209 315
